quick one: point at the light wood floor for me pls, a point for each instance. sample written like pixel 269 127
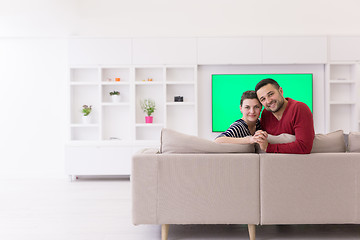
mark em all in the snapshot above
pixel 100 209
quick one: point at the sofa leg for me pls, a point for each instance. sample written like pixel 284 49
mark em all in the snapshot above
pixel 251 228
pixel 164 231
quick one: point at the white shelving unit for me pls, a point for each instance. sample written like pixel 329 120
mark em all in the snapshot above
pixel 342 96
pixel 120 127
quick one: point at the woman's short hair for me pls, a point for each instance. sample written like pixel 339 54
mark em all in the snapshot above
pixel 248 95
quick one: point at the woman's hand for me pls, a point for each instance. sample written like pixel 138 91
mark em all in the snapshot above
pixel 261 138
pixel 260 134
pixel 251 139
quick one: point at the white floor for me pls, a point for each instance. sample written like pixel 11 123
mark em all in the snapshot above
pixel 101 209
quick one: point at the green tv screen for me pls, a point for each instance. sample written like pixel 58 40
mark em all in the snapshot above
pixel 228 88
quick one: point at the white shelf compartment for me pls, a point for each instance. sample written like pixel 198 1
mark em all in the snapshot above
pixel 184 90
pixel 154 92
pixel 84 95
pixel 156 73
pixel 115 123
pixel 342 92
pixel 123 89
pixel 84 75
pixel 342 117
pixel 343 71
pixel 180 74
pixel 182 118
pixel 86 132
pixel 148 132
pixel 109 74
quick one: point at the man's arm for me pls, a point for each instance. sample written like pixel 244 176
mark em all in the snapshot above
pixel 304 132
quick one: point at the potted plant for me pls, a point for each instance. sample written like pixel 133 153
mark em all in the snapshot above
pixel 86 111
pixel 115 95
pixel 148 106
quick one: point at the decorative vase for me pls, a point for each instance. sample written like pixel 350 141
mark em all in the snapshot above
pixel 148 119
pixel 86 119
pixel 115 98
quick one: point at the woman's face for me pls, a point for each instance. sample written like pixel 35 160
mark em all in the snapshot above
pixel 250 109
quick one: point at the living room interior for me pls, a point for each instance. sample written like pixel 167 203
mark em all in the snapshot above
pixel 62 178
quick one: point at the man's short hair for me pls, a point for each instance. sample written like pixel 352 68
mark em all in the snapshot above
pixel 248 95
pixel 266 81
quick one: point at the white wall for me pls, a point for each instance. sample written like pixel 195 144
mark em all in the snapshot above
pixel 192 18
pixel 32 100
pixel 33 54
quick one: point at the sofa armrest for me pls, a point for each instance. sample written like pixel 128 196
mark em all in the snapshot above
pixel 144 181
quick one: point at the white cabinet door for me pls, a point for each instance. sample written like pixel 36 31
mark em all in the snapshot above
pixel 98 160
pixel 344 48
pixel 288 50
pixel 246 50
pixel 164 51
pixel 99 51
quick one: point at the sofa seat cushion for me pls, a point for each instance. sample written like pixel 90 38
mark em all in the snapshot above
pixel 176 142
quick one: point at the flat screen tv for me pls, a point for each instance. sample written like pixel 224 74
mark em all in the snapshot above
pixel 228 88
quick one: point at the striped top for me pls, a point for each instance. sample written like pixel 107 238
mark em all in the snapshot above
pixel 239 129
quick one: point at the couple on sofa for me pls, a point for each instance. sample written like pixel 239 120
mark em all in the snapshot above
pixel 281 115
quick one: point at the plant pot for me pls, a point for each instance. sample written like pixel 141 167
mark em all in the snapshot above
pixel 115 98
pixel 86 119
pixel 148 119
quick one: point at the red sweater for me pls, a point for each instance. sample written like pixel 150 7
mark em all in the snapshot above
pixel 297 120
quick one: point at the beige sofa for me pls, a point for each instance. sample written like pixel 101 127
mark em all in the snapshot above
pixel 193 181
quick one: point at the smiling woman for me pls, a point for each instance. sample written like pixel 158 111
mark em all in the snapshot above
pixel 242 130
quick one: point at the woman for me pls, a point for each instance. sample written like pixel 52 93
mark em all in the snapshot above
pixel 243 130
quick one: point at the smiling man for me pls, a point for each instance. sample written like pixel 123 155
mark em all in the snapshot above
pixel 283 115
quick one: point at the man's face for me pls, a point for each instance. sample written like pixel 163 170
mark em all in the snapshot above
pixel 271 98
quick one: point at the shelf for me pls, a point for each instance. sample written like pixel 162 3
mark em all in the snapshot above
pixel 180 83
pixel 154 143
pixel 115 104
pixel 149 125
pixel 115 83
pixel 342 103
pixel 99 143
pixel 342 82
pixel 148 83
pixel 79 125
pixel 180 103
pixel 84 83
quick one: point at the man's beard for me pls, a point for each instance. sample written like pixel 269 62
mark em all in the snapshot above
pixel 281 103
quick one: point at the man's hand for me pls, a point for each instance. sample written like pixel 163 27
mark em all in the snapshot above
pixel 261 138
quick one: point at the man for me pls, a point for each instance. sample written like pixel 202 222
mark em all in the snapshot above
pixel 283 115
